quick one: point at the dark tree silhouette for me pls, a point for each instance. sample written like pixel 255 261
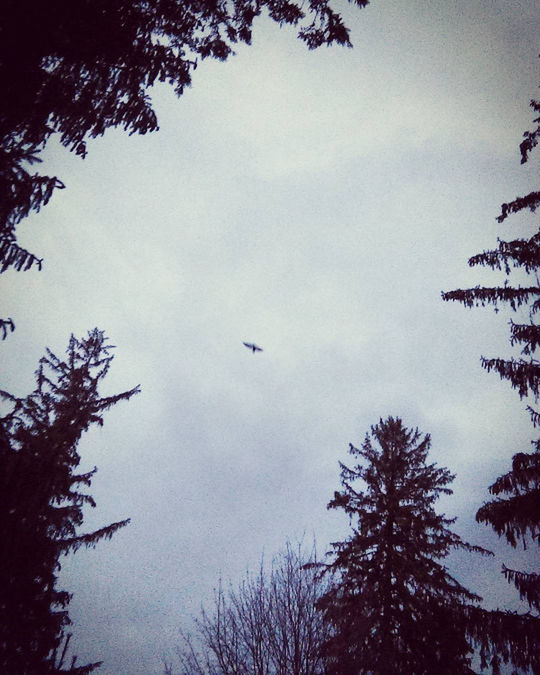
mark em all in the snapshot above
pixel 392 606
pixel 517 514
pixel 41 501
pixel 267 626
pixel 78 68
pixel 523 254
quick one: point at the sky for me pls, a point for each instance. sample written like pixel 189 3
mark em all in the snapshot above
pixel 316 203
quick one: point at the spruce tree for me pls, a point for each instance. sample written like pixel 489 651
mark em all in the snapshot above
pixel 42 501
pixel 515 513
pixel 516 516
pixel 393 607
pixel 521 254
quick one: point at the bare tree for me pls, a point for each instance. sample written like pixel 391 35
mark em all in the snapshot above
pixel 268 625
pixel 296 631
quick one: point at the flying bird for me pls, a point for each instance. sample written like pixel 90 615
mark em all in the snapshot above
pixel 254 348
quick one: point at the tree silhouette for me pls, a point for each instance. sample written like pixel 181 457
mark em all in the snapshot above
pixel 86 66
pixel 522 254
pixel 392 606
pixel 516 515
pixel 267 626
pixel 41 501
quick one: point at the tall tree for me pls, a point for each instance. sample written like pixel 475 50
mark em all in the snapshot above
pixel 515 513
pixel 392 606
pixel 83 67
pixel 267 626
pixel 521 254
pixel 516 516
pixel 41 500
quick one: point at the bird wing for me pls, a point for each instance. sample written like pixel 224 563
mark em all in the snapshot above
pixel 254 348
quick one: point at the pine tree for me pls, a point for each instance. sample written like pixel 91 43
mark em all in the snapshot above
pixel 393 607
pixel 41 501
pixel 523 373
pixel 517 515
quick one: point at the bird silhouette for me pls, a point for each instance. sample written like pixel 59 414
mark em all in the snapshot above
pixel 254 348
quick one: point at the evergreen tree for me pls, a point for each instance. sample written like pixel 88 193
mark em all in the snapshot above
pixel 83 67
pixel 393 607
pixel 523 254
pixel 517 515
pixel 41 501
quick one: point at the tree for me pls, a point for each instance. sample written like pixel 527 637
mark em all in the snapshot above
pixel 268 626
pixel 41 501
pixel 83 67
pixel 522 254
pixel 517 515
pixel 392 606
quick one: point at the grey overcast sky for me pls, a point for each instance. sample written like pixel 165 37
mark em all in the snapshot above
pixel 316 203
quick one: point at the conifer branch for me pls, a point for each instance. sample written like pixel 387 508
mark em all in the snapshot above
pixel 522 375
pixel 530 201
pixel 527 334
pixel 527 584
pixel 505 637
pixel 531 137
pixel 515 518
pixel 517 253
pixel 89 540
pixel 480 296
pixel 525 474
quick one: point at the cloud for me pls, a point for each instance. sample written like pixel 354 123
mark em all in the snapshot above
pixel 315 203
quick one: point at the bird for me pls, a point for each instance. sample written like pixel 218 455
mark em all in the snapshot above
pixel 254 348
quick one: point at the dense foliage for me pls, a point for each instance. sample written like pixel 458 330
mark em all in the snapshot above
pixel 83 67
pixel 515 512
pixel 41 500
pixel 392 606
